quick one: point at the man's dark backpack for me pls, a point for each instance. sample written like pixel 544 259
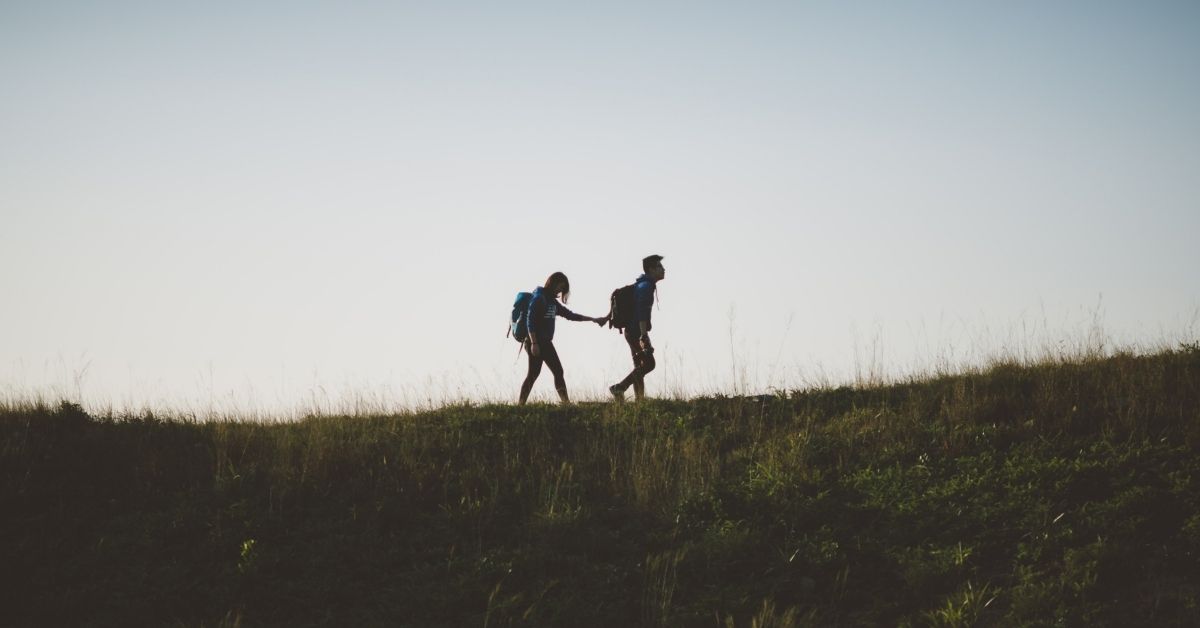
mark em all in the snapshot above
pixel 621 308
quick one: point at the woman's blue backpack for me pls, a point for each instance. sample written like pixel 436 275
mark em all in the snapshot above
pixel 518 326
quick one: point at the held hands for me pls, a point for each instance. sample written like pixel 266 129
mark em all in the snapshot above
pixel 600 320
pixel 534 350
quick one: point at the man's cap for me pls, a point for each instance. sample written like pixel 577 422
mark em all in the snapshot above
pixel 651 259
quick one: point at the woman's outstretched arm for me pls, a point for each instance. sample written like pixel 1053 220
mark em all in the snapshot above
pixel 572 316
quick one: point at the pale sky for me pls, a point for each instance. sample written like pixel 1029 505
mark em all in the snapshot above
pixel 272 206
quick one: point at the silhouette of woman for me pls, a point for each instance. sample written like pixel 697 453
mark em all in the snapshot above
pixel 543 309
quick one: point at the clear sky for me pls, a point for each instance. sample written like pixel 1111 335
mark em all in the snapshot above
pixel 265 205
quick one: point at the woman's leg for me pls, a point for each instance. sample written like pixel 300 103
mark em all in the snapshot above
pixel 550 355
pixel 535 369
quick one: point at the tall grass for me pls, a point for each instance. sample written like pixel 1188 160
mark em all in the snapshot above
pixel 1062 490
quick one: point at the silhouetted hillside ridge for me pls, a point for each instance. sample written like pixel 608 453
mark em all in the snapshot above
pixel 1064 492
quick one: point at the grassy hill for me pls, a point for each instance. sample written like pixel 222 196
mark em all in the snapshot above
pixel 1061 493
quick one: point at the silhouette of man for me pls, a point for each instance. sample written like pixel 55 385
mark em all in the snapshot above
pixel 638 334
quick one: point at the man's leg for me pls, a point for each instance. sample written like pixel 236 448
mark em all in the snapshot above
pixel 642 363
pixel 645 364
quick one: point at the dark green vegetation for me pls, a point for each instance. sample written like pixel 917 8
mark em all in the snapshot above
pixel 1061 493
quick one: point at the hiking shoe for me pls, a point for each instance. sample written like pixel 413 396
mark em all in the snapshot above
pixel 618 393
